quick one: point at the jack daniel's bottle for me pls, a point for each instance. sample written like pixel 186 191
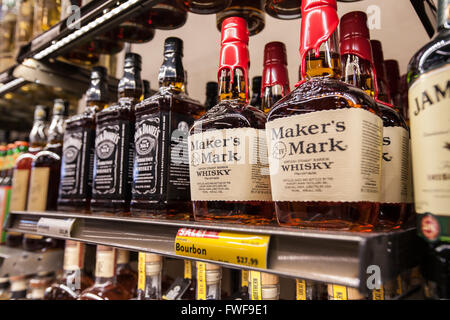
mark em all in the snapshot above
pixel 79 147
pixel 324 138
pixel 114 145
pixel 161 171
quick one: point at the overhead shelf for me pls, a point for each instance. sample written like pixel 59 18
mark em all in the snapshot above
pixel 326 256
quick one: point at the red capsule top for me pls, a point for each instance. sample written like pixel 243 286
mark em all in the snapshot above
pixel 355 35
pixel 234 51
pixel 319 21
pixel 275 67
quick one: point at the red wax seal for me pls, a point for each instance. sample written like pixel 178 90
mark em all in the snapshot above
pixel 319 21
pixel 275 67
pixel 234 51
pixel 430 227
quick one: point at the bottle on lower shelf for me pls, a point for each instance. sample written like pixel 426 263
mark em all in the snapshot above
pixel 150 276
pixel 126 276
pixel 263 286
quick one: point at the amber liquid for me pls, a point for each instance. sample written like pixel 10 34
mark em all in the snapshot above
pixel 61 291
pixel 317 94
pixel 168 15
pixel 177 104
pixel 250 10
pixel 127 278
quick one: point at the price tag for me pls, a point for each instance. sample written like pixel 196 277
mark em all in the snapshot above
pixel 236 248
pixel 56 227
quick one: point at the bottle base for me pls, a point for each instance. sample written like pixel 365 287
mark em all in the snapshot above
pixel 154 210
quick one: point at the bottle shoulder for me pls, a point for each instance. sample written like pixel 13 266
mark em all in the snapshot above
pixel 230 114
pixel 390 117
pixel 431 56
pixel 320 94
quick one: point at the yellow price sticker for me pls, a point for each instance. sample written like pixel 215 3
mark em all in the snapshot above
pixel 301 289
pixel 201 281
pixel 255 285
pixel 237 248
pixel 141 271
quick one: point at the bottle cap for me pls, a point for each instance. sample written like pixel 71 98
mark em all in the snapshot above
pixel 269 279
pixel 133 60
pixel 275 66
pixel 60 107
pixel 98 90
pixel 234 51
pixel 98 72
pixel 41 113
pixel 393 75
pixel 319 21
pixel 355 35
pixel 173 44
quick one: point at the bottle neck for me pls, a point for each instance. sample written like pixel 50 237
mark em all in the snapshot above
pixel 105 268
pixel 130 85
pixel 359 73
pixel 153 286
pixel 233 90
pixel 97 94
pixel 327 63
pixel 56 130
pixel 171 74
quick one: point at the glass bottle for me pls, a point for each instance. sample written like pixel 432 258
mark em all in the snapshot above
pixel 5 294
pixel 378 60
pixel 18 287
pixel 310 290
pixel 77 166
pixel 393 80
pixel 324 138
pixel 275 75
pixel 138 29
pixel 106 286
pixel 147 92
pixel 37 286
pixel 359 71
pixel 256 92
pixel 114 144
pixel 212 95
pixel 283 9
pixel 237 130
pixel 168 15
pixel 428 74
pixel 161 171
pixel 25 16
pixel 126 276
pixel 47 13
pixel 74 279
pixel 338 292
pixel 251 10
pixel 190 272
pixel 7 33
pixel 150 271
pixel 263 286
pixel 46 167
pixel 206 6
pixel 404 98
pixel 243 293
pixel 209 277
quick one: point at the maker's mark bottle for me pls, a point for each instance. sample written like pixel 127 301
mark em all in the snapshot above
pixel 324 138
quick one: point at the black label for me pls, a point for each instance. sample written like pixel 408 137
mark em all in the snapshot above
pixel 112 174
pixel 76 165
pixel 161 163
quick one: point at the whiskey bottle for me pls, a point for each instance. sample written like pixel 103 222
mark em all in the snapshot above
pixel 243 291
pixel 310 290
pixel 212 94
pixel 250 10
pixel 428 80
pixel 229 140
pixel 37 286
pixel 150 269
pixel 359 71
pixel 326 118
pixel 256 92
pixel 147 92
pixel 161 170
pixel 74 279
pixel 190 273
pixel 206 6
pixel 46 167
pixel 114 144
pixel 283 9
pixel 77 163
pixel 46 14
pixel 209 277
pixel 378 60
pixel 393 80
pixel 126 276
pixel 18 287
pixel 106 286
pixel 24 27
pixel 168 15
pixel 404 98
pixel 7 33
pixel 275 75
pixel 263 286
pixel 338 292
pixel 138 29
pixel 5 294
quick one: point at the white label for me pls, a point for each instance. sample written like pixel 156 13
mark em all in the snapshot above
pixel 73 255
pixel 105 263
pixel 429 113
pixel 55 227
pixel 37 196
pixel 395 165
pixel 19 189
pixel 332 155
pixel 229 165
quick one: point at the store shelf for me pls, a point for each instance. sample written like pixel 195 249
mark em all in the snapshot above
pixel 16 262
pixel 331 257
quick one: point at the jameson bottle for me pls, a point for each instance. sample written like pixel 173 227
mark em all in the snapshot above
pixel 324 138
pixel 46 167
pixel 106 286
pixel 161 170
pixel 256 92
pixel 275 78
pixel 263 286
pixel 74 279
pixel 429 83
pixel 227 149
pixel 212 90
pixel 79 147
pixel 358 70
pixel 209 277
pixel 126 276
pixel 114 145
pixel 150 275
